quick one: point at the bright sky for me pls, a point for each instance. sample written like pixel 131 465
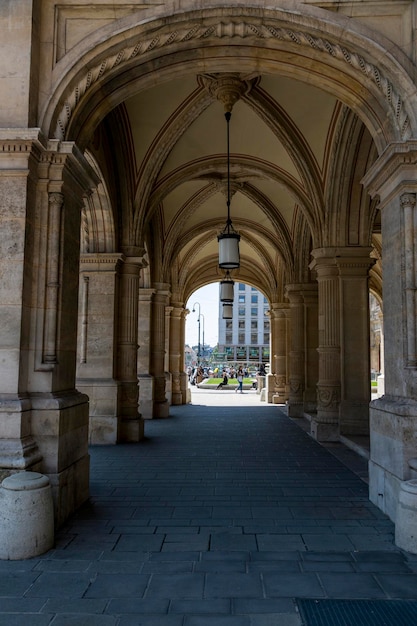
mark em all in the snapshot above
pixel 208 298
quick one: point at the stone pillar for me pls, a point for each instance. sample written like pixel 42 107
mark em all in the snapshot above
pixel 130 421
pixel 159 302
pixel 19 159
pixel 325 426
pixel 279 355
pixel 297 352
pixel 311 363
pixel 176 351
pixel 381 377
pixel 185 387
pixel 144 353
pixel 354 265
pixel 96 343
pixel 393 417
pixel 59 410
pixel 167 360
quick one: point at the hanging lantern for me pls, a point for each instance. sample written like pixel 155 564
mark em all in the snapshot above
pixel 227 289
pixel 229 258
pixel 227 311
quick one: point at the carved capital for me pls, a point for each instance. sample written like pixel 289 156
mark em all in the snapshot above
pixel 227 88
pixel 408 200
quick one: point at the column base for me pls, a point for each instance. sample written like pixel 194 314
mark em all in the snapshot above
pixel 176 398
pixel 18 448
pixel 60 428
pixel 161 410
pixel 393 442
pixel 102 394
pixel 354 417
pixel 295 409
pixel 322 431
pixel 146 390
pixel 131 430
pixel 20 454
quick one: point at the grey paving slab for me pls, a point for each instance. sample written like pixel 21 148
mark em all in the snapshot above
pixel 284 585
pixel 237 586
pixel 13 619
pixel 59 585
pixel 346 585
pixel 120 586
pixel 85 620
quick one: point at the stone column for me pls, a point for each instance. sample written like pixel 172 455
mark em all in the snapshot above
pixel 297 352
pixel 185 388
pixel 159 302
pixel 96 343
pixel 393 417
pixel 176 351
pixel 354 265
pixel 130 421
pixel 279 355
pixel 167 360
pixel 311 363
pixel 59 412
pixel 381 377
pixel 325 426
pixel 19 159
pixel 144 353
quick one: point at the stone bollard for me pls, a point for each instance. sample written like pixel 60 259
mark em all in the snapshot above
pixel 26 516
pixel 406 522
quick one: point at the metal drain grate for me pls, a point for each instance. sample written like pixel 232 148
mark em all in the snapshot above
pixel 358 612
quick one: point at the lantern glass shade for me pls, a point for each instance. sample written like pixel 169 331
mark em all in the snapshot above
pixel 227 290
pixel 229 250
pixel 227 311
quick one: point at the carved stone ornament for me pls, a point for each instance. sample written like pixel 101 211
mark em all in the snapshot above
pixel 253 29
pixel 228 88
pixel 328 397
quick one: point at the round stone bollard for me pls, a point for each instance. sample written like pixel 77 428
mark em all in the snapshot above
pixel 406 522
pixel 26 516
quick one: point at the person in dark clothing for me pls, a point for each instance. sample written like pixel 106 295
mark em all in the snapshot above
pixel 224 382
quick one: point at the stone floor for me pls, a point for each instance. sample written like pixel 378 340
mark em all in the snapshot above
pixel 228 514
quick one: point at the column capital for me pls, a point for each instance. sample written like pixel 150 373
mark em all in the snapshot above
pixel 393 173
pixel 408 200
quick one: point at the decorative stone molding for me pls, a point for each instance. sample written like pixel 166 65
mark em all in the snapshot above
pixel 242 29
pixel 228 88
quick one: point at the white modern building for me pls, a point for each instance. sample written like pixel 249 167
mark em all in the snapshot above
pixel 245 338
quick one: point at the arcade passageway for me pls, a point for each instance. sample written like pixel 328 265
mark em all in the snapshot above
pixel 228 513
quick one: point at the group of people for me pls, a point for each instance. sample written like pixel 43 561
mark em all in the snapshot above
pixel 239 375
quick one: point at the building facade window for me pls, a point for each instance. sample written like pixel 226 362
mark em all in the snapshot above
pixel 241 324
pixel 242 311
pixel 254 337
pixel 254 311
pixel 254 324
pixel 241 338
pixel 254 299
pixel 266 338
pixel 229 337
pixel 241 299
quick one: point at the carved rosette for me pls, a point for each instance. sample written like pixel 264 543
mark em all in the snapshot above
pixel 328 397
